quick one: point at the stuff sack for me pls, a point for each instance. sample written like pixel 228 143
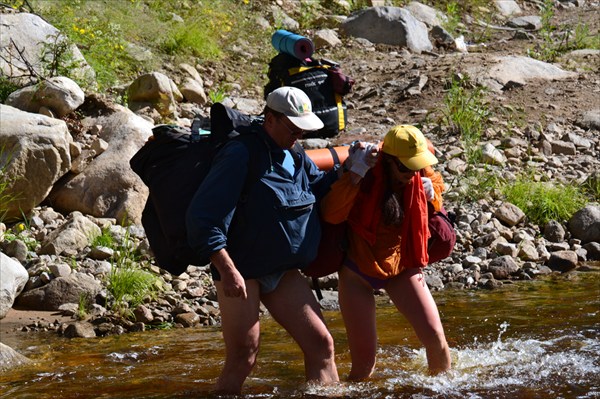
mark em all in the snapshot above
pixel 331 252
pixel 321 80
pixel 443 236
pixel 173 163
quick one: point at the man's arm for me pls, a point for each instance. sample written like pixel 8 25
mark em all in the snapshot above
pixel 211 211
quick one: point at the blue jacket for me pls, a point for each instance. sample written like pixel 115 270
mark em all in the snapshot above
pixel 266 218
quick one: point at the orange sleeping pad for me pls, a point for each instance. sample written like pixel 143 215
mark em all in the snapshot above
pixel 324 157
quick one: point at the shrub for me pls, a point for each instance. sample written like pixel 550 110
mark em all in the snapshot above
pixel 544 201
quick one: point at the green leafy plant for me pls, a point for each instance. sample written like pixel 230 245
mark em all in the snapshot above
pixel 466 114
pixel 105 239
pixel 124 249
pixel 19 232
pixel 191 39
pixel 544 201
pixel 216 96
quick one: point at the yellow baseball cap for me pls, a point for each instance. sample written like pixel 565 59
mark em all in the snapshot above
pixel 408 144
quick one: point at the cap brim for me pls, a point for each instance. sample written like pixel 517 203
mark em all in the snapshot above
pixel 307 122
pixel 420 161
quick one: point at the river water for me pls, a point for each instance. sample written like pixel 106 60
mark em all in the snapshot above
pixel 537 339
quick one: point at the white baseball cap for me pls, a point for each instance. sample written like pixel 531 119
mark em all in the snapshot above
pixel 295 104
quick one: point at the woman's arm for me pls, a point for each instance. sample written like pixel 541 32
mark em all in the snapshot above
pixel 438 186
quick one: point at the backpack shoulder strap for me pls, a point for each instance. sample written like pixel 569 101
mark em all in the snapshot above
pixel 257 147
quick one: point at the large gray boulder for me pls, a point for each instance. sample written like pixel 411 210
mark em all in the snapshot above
pixel 35 154
pixel 155 90
pixel 426 14
pixel 71 237
pixel 58 95
pixel 502 71
pixel 59 291
pixel 13 278
pixel 388 25
pixel 585 224
pixel 34 38
pixel 108 187
pixel 10 358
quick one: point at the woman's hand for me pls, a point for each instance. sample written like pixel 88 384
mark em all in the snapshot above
pixel 428 186
pixel 362 157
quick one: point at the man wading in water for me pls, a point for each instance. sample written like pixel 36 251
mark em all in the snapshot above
pixel 257 243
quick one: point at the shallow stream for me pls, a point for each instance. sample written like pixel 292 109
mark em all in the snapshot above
pixel 538 339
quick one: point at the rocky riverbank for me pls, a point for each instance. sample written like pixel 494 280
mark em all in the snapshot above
pixel 542 117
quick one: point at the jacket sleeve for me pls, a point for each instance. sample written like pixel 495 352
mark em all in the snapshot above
pixel 337 204
pixel 213 205
pixel 438 186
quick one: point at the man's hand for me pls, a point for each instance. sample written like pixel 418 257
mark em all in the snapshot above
pixel 234 284
pixel 428 186
pixel 232 281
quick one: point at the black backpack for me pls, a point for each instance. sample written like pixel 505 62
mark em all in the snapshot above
pixel 321 80
pixel 173 163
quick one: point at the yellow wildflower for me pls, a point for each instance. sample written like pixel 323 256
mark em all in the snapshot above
pixel 82 31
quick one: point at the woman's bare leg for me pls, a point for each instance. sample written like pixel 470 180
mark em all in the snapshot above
pixel 412 298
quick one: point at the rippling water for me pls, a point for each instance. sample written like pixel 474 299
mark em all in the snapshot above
pixel 538 339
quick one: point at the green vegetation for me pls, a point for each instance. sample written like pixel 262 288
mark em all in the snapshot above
pixel 165 325
pixel 466 114
pixel 545 201
pixel 21 231
pixel 84 306
pixel 6 87
pixel 216 96
pixel 105 239
pixel 476 184
pixel 557 41
pixel 453 21
pixel 122 38
pixel 59 60
pixel 129 286
pixel 592 187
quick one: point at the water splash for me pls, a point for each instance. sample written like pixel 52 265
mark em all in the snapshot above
pixel 507 364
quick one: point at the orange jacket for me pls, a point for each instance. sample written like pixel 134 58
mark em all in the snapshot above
pixel 377 249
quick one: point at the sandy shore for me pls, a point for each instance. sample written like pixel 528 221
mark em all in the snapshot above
pixel 16 319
